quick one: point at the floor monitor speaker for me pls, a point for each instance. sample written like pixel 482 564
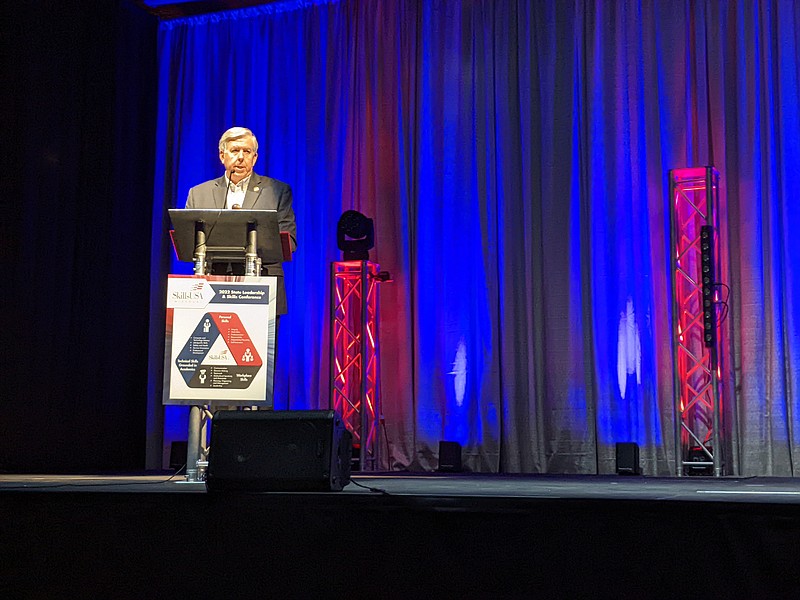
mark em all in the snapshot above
pixel 266 451
pixel 628 458
pixel 449 457
pixel 177 455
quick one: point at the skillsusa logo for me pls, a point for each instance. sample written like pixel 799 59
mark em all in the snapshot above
pixel 189 293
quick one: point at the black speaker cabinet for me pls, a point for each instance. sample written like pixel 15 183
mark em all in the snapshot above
pixel 628 458
pixel 177 455
pixel 266 451
pixel 449 457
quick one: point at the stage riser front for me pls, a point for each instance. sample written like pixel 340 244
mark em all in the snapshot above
pixel 79 544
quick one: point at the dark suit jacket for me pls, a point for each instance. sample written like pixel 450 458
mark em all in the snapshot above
pixel 262 193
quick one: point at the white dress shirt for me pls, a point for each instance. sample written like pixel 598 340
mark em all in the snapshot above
pixel 236 192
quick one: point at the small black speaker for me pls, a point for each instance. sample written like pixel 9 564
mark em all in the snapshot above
pixel 628 458
pixel 449 457
pixel 177 455
pixel 266 451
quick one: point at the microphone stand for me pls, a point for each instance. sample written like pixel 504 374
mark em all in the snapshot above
pixel 228 183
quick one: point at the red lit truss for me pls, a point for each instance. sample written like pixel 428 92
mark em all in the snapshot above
pixel 699 310
pixel 355 389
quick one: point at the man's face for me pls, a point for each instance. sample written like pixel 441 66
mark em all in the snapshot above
pixel 240 156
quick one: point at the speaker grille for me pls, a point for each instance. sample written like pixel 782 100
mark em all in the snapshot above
pixel 278 451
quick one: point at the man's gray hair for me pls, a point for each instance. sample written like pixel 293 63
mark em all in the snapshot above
pixel 234 133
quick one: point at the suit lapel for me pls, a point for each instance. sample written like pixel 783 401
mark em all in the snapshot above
pixel 254 190
pixel 219 192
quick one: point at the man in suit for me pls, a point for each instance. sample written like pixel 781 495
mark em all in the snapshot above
pixel 240 187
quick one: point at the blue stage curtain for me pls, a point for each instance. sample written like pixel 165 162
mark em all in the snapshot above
pixel 514 156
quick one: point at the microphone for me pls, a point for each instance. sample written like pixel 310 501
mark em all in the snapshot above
pixel 228 183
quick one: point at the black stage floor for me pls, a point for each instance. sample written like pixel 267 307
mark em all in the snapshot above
pixel 410 535
pixel 465 486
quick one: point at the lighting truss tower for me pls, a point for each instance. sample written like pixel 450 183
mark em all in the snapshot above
pixel 355 389
pixel 699 311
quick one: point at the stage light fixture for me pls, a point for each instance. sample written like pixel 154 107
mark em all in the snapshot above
pixel 709 307
pixel 698 461
pixel 355 235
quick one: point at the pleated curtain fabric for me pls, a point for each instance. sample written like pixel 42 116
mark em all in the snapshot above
pixel 514 156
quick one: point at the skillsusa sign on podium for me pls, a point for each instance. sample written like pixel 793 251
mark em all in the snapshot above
pixel 219 346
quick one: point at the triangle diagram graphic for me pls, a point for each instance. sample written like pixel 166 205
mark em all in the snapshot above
pixel 219 354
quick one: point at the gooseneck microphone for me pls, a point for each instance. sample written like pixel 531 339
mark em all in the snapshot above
pixel 228 183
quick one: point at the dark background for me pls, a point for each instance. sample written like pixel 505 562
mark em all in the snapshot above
pixel 78 106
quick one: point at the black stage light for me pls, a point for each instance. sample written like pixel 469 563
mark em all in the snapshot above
pixel 355 235
pixel 698 462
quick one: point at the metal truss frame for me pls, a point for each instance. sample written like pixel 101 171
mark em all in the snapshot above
pixel 354 355
pixel 697 353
